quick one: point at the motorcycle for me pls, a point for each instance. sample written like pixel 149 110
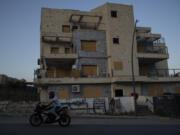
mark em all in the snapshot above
pixel 41 115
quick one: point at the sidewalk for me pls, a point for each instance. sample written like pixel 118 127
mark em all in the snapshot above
pixel 92 116
pixel 102 116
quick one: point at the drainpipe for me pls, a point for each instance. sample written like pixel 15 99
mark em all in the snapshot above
pixel 132 68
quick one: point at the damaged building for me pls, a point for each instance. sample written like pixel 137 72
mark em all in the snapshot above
pixel 88 55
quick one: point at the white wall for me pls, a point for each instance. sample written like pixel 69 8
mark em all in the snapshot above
pixel 146 100
pixel 126 104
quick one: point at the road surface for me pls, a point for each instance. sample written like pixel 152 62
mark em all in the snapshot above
pixel 93 126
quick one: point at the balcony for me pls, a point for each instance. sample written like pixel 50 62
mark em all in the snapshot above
pixel 57 39
pixel 157 75
pixel 157 51
pixel 73 77
pixel 86 21
pixel 147 37
pixel 143 29
pixel 152 49
pixel 72 73
pixel 161 73
pixel 165 73
pixel 64 56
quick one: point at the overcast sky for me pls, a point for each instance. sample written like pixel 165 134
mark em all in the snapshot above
pixel 20 29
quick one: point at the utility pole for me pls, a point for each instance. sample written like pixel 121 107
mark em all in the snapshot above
pixel 132 67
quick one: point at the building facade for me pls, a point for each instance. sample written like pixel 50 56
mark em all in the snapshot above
pixel 88 55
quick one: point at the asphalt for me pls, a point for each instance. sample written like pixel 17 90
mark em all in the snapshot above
pixel 94 125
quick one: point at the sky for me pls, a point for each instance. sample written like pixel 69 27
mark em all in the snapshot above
pixel 20 29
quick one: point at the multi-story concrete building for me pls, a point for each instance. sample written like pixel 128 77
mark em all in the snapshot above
pixel 88 55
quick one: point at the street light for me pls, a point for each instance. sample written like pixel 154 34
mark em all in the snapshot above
pixel 132 68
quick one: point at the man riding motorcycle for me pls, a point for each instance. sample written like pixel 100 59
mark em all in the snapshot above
pixel 51 113
pixel 54 103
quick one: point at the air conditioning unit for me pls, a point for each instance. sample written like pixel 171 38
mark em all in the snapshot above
pixel 75 88
pixel 74 67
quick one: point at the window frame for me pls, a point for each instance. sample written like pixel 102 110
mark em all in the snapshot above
pixel 85 65
pixel 74 28
pixel 51 52
pixel 121 94
pixel 113 13
pixel 66 49
pixel 63 26
pixel 118 65
pixel 115 40
pixel 83 49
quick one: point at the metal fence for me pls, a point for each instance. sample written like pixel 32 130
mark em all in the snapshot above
pixel 165 73
pixel 161 40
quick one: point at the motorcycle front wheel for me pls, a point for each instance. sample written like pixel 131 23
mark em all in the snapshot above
pixel 35 120
pixel 64 120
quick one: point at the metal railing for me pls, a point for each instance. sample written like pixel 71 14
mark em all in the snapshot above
pixel 153 49
pixel 163 73
pixel 159 49
pixel 161 40
pixel 38 74
pixel 55 39
pixel 152 73
pixel 104 75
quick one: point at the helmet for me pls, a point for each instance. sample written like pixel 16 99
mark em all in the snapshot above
pixel 51 94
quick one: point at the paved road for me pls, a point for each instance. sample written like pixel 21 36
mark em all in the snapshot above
pixel 85 126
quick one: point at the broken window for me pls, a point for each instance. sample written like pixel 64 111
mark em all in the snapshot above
pixel 88 45
pixel 116 40
pixel 54 50
pixel 113 13
pixel 66 28
pixel 118 93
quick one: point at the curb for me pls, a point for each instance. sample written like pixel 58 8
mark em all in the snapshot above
pixel 91 116
pixel 109 117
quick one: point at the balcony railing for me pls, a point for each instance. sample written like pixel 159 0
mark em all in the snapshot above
pixel 163 73
pixel 152 49
pixel 93 23
pixel 38 74
pixel 56 39
pixel 161 41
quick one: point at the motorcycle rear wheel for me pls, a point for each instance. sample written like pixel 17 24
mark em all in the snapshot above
pixel 35 120
pixel 65 120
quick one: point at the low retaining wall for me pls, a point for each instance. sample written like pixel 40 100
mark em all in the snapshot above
pixel 17 108
pixel 147 101
pixel 91 105
pixel 124 105
pixel 167 105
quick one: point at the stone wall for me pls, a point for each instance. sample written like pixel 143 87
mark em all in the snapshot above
pixel 17 108
pixel 18 93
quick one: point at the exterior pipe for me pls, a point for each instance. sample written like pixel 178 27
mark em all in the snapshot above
pixel 132 68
